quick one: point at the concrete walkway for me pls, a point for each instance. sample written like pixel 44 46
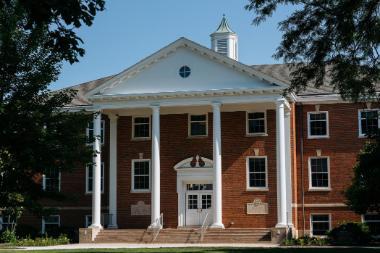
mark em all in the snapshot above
pixel 151 246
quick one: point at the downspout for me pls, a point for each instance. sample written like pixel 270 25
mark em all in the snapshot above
pixel 302 171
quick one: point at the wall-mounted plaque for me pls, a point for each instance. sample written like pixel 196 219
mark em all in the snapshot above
pixel 140 209
pixel 257 207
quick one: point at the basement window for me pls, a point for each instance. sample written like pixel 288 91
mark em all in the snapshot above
pixel 51 224
pixel 320 224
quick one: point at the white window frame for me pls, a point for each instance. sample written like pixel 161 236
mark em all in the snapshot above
pixel 361 134
pixel 44 182
pixel 311 224
pixel 43 229
pixel 86 223
pixel 314 188
pixel 103 132
pixel 133 127
pixel 133 190
pixel 265 133
pixel 102 172
pixel 309 136
pixel 372 221
pixel 249 188
pixel 5 220
pixel 189 121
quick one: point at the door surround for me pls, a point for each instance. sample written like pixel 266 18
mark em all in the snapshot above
pixel 195 169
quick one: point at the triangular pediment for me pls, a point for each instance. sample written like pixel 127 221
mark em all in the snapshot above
pixel 209 71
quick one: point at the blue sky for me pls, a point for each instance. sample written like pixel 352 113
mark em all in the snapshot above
pixel 129 30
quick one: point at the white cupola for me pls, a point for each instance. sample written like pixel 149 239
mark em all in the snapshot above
pixel 224 40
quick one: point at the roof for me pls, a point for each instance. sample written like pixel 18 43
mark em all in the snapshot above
pixel 223 26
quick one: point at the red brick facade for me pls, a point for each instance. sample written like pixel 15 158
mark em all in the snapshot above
pixel 341 147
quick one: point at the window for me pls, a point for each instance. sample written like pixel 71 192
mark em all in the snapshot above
pixel 141 127
pixel 141 175
pixel 87 221
pixel 184 71
pixel 199 187
pixel 373 222
pixel 318 126
pixel 256 123
pixel 192 201
pixel 51 180
pixel 257 173
pixel 319 173
pixel 50 224
pixel 206 201
pixel 369 122
pixel 6 222
pixel 319 224
pixel 90 131
pixel 90 176
pixel 198 125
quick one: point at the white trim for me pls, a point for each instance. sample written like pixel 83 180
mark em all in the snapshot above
pixel 189 125
pixel 102 173
pixel 133 190
pixel 327 135
pixel 43 229
pixel 102 129
pixel 249 188
pixel 265 133
pixel 311 227
pixel 320 205
pixel 315 188
pixel 44 182
pixel 361 135
pixel 133 128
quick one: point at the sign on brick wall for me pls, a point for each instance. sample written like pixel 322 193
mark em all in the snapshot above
pixel 257 207
pixel 140 209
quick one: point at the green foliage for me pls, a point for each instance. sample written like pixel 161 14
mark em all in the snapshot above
pixel 335 39
pixel 42 241
pixel 364 193
pixel 306 241
pixel 350 234
pixel 8 236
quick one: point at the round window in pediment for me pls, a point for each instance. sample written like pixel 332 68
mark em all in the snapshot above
pixel 184 71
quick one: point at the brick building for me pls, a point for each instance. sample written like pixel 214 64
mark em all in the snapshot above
pixel 191 136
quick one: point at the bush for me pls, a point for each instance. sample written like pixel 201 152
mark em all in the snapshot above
pixel 306 241
pixel 42 241
pixel 26 231
pixel 8 236
pixel 350 234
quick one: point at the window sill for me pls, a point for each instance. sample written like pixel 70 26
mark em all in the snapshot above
pixel 197 136
pixel 140 191
pixel 259 189
pixel 256 135
pixel 319 137
pixel 141 139
pixel 315 189
pixel 90 193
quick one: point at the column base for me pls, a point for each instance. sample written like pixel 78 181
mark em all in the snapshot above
pixel 154 226
pixel 96 226
pixel 217 226
pixel 281 225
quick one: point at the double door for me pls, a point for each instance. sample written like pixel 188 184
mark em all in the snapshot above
pixel 198 208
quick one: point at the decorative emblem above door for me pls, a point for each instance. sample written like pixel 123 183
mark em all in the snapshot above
pixel 196 161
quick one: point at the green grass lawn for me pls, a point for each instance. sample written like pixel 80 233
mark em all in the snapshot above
pixel 221 250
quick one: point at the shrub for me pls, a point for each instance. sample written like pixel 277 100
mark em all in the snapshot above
pixel 26 231
pixel 306 241
pixel 350 234
pixel 8 236
pixel 42 241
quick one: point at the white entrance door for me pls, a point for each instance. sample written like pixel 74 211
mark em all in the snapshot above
pixel 198 204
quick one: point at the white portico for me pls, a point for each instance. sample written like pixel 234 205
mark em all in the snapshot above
pixel 185 77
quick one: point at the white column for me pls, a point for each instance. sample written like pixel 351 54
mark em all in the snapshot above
pixel 155 199
pixel 96 190
pixel 113 171
pixel 281 162
pixel 217 157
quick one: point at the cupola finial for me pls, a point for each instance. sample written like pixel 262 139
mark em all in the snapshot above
pixel 224 40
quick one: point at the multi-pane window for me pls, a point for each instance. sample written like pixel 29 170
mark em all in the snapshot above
pixel 319 172
pixel 50 224
pixel 318 125
pixel 320 224
pixel 256 173
pixel 369 122
pixel 198 125
pixel 372 220
pixel 256 123
pixel 90 131
pixel 51 180
pixel 141 127
pixel 206 201
pixel 90 177
pixel 140 175
pixel 192 201
pixel 6 222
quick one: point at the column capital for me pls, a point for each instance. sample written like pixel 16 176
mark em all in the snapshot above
pixel 112 116
pixel 216 104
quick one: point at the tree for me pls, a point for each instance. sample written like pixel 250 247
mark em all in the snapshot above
pixel 338 40
pixel 37 133
pixel 364 193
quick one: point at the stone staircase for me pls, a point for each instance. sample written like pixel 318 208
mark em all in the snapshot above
pixel 189 235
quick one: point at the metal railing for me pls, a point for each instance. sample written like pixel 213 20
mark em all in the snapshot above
pixel 203 228
pixel 157 226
